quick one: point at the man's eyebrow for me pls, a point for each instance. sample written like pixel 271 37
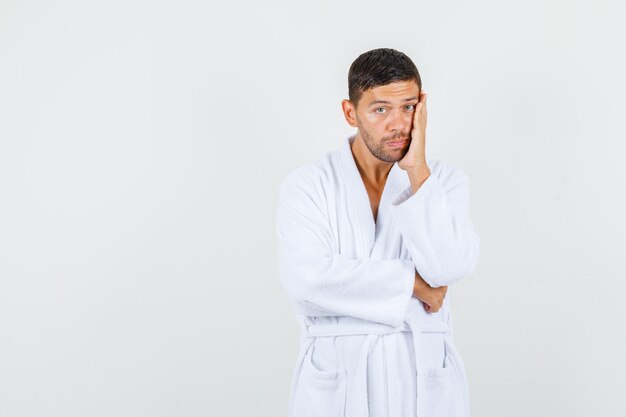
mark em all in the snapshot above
pixel 388 102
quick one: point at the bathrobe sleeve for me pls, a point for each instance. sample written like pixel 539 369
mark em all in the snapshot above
pixel 321 282
pixel 436 228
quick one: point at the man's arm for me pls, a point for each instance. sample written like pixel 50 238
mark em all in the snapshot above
pixel 433 213
pixel 433 218
pixel 321 282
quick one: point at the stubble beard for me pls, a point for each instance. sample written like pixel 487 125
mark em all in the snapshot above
pixel 377 148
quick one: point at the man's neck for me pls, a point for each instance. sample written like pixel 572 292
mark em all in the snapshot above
pixel 372 169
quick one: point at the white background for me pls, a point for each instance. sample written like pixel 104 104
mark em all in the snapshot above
pixel 141 145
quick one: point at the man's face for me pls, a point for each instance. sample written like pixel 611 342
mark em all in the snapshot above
pixel 385 114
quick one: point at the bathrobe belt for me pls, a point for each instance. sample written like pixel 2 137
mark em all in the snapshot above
pixel 374 331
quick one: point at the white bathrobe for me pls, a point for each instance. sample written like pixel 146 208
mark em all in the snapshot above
pixel 368 348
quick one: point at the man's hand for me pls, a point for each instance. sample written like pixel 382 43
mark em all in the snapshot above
pixel 432 298
pixel 415 158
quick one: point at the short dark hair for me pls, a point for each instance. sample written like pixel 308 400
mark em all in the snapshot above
pixel 379 67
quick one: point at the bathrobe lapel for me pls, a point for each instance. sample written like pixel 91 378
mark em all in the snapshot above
pixel 368 229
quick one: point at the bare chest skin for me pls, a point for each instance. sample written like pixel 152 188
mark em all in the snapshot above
pixel 374 193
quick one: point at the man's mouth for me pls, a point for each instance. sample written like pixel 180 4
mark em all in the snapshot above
pixel 396 142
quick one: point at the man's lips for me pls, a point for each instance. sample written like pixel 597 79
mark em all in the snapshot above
pixel 396 143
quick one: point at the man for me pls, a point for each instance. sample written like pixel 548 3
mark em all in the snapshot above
pixel 370 236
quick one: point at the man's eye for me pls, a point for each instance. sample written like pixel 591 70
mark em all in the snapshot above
pixel 380 108
pixel 411 106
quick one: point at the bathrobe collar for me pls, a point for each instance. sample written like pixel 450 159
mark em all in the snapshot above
pixel 396 181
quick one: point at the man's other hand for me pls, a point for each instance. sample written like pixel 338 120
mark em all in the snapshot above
pixel 432 298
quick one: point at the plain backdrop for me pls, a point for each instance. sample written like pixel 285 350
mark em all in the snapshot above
pixel 142 143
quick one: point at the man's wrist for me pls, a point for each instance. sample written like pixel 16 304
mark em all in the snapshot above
pixel 418 175
pixel 419 286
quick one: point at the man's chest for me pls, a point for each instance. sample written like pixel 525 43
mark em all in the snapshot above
pixel 362 226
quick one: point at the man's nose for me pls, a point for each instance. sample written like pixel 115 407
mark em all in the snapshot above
pixel 398 122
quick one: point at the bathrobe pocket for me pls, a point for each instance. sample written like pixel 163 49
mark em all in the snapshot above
pixel 320 393
pixel 442 388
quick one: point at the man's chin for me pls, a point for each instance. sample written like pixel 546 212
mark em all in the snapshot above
pixel 398 155
pixel 392 157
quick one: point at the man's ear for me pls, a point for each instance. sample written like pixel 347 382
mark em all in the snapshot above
pixel 349 112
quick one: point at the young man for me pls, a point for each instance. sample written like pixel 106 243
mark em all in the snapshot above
pixel 370 236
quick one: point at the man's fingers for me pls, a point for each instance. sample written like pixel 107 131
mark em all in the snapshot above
pixel 420 107
pixel 416 114
pixel 431 309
